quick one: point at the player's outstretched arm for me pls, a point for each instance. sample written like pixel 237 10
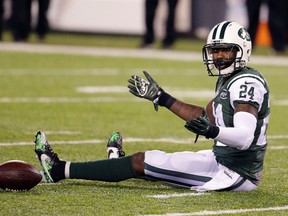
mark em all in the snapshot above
pixel 150 90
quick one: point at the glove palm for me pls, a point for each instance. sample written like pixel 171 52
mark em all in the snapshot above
pixel 149 89
pixel 202 126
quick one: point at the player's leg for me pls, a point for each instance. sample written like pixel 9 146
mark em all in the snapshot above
pixel 170 33
pixel 181 168
pixel 150 14
pixel 186 168
pixel 111 170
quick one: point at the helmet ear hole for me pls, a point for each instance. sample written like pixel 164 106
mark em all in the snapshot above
pixel 236 49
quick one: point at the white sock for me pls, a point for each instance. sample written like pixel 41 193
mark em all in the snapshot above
pixel 67 170
pixel 112 152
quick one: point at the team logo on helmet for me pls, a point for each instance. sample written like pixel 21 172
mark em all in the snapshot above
pixel 244 34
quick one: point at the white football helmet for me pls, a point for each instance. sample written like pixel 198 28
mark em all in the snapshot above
pixel 230 36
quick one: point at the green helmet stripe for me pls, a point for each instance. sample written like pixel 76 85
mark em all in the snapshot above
pixel 223 29
pixel 214 32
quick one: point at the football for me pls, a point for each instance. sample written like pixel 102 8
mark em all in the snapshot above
pixel 17 175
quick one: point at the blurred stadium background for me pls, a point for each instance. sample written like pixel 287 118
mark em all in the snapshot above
pixel 193 17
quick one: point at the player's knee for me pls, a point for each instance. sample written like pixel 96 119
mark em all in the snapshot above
pixel 138 163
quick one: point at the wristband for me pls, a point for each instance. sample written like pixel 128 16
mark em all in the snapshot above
pixel 166 100
pixel 212 132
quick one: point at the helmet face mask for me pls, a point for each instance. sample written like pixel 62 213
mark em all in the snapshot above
pixel 231 39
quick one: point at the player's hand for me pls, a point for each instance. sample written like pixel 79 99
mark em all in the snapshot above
pixel 149 89
pixel 202 126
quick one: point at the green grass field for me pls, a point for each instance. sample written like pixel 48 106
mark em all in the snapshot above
pixel 47 92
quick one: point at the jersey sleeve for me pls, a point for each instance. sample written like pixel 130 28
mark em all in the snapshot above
pixel 249 90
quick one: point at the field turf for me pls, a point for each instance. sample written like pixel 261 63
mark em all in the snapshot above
pixel 80 100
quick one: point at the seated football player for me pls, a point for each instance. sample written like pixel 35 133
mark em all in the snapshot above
pixel 235 119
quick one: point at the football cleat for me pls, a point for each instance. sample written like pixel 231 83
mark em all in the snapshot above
pixel 47 157
pixel 114 145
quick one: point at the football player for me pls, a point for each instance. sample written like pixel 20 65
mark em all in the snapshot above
pixel 236 119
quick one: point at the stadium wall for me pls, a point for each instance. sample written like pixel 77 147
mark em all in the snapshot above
pixel 193 17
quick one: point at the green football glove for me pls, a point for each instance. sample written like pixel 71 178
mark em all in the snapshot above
pixel 149 89
pixel 202 126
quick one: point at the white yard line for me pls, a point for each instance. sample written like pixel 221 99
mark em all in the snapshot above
pixel 136 140
pixel 228 211
pixel 66 99
pixel 166 196
pixel 193 94
pixel 96 51
pixel 283 102
pixel 60 71
pixel 138 53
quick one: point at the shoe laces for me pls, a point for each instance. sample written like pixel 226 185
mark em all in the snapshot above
pixel 50 152
pixel 121 152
